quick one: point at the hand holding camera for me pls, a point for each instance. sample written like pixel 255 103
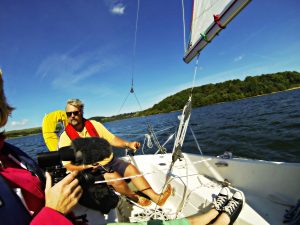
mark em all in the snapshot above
pixel 78 185
pixel 64 195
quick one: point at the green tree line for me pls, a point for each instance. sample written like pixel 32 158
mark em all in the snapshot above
pixel 24 132
pixel 206 95
pixel 228 91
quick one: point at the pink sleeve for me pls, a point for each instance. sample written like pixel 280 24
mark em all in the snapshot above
pixel 48 216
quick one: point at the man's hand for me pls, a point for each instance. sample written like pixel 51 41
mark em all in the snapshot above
pixel 134 145
pixel 64 195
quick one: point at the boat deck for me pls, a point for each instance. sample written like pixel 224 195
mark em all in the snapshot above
pixel 195 185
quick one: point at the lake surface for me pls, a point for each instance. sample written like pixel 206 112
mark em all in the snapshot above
pixel 265 127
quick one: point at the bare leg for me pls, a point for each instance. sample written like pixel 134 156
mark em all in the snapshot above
pixel 223 219
pixel 122 187
pixel 142 185
pixel 119 185
pixel 203 219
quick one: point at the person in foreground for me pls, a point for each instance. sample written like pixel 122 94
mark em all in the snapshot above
pixel 225 211
pixel 116 168
pixel 22 199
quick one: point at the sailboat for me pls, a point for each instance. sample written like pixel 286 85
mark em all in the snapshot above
pixel 271 189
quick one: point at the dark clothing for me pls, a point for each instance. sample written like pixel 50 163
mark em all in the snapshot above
pixel 13 175
pixel 117 165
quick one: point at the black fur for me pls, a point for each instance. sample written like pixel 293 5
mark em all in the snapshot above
pixel 92 149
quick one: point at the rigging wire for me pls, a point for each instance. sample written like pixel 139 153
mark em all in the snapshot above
pixel 153 136
pixel 138 101
pixel 133 62
pixel 123 103
pixel 198 146
pixel 185 117
pixel 195 74
pixel 157 171
pixel 151 131
pixel 183 21
pixel 177 154
pixel 134 44
pixel 182 128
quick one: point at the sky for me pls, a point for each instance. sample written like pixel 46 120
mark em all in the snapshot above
pixel 51 51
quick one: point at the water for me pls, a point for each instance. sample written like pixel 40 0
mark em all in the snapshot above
pixel 265 127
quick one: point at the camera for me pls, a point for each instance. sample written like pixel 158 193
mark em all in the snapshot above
pixel 83 151
pixel 52 163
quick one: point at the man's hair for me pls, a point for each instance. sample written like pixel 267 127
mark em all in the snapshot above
pixel 5 108
pixel 76 103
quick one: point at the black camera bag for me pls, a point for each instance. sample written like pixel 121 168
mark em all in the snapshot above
pixel 99 196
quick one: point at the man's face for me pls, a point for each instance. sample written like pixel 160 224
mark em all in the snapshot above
pixel 74 115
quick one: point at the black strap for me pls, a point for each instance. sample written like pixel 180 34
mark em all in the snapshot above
pixel 12 210
pixel 23 158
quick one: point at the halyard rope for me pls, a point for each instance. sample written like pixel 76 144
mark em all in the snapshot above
pixel 134 43
pixel 153 172
pixel 133 61
pixel 139 134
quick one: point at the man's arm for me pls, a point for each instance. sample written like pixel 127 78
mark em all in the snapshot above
pixel 114 140
pixel 120 143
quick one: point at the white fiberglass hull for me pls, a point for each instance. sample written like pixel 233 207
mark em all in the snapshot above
pixel 269 187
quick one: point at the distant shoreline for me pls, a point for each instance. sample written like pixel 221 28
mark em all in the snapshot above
pixel 289 89
pixel 275 92
pixel 210 94
pixel 39 128
pixel 24 135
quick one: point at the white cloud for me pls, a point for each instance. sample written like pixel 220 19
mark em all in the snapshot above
pixel 70 70
pixel 77 67
pixel 118 9
pixel 75 71
pixel 21 123
pixel 239 58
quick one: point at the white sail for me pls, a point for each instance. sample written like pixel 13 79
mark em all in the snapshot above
pixel 208 19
